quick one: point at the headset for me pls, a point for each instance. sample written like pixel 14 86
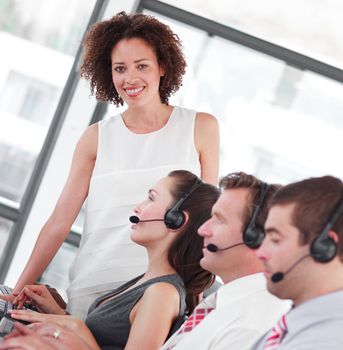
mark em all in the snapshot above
pixel 324 248
pixel 174 218
pixel 253 234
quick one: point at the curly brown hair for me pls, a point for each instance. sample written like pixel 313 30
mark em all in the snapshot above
pixel 103 36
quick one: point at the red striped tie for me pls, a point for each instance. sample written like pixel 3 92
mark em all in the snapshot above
pixel 197 316
pixel 277 334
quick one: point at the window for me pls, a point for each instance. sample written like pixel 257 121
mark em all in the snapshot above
pixel 5 227
pixel 37 56
pixel 29 98
pixel 39 41
pixel 311 27
pixel 56 274
pixel 266 108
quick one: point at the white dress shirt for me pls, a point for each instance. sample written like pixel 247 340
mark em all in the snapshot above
pixel 244 311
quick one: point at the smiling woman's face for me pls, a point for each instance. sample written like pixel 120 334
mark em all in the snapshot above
pixel 136 73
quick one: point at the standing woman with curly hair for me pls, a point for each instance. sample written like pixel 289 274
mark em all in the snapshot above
pixel 138 60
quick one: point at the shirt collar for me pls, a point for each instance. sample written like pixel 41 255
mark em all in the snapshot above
pixel 240 288
pixel 322 307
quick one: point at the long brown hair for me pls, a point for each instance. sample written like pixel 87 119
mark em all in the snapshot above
pixel 186 251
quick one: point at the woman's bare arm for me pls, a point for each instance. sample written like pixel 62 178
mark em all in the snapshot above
pixel 153 316
pixel 67 208
pixel 207 145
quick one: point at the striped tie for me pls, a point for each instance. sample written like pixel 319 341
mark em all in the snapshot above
pixel 193 320
pixel 277 334
pixel 199 313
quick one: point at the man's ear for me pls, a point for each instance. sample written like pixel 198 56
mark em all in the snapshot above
pixel 333 235
pixel 162 71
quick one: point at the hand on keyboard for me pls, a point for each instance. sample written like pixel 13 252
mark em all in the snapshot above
pixel 6 306
pixel 40 296
pixel 6 321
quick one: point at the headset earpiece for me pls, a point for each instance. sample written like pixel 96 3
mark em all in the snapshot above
pixel 324 248
pixel 253 234
pixel 174 218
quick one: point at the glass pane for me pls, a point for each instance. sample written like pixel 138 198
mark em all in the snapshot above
pixel 312 27
pixel 5 227
pixel 55 24
pixel 39 42
pixel 194 42
pixel 56 274
pixel 277 122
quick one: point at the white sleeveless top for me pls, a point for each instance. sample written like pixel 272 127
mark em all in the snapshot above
pixel 127 165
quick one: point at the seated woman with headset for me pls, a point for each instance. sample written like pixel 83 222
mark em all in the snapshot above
pixel 142 313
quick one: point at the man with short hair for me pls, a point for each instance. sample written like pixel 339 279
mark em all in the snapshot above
pixel 242 309
pixel 303 261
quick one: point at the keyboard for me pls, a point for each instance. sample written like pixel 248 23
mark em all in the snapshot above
pixel 5 307
pixel 6 326
pixel 6 322
pixel 5 290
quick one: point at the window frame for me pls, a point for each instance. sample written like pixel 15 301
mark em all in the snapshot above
pixel 20 213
